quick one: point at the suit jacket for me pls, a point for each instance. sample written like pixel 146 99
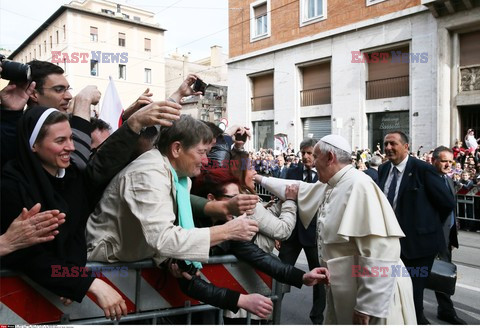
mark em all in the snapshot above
pixel 423 205
pixel 277 173
pixel 450 234
pixel 372 173
pixel 307 237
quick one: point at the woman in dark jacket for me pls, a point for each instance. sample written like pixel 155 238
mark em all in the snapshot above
pixel 42 174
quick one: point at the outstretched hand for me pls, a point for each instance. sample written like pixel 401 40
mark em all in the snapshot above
pixel 318 275
pixel 257 304
pixel 143 100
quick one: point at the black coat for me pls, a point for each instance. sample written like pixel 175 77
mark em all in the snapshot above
pixel 247 252
pixel 423 204
pixel 25 183
pixel 307 237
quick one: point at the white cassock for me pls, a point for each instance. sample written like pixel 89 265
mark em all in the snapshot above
pixel 356 230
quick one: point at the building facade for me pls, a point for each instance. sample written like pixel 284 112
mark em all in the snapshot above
pixel 95 39
pixel 213 71
pixel 359 69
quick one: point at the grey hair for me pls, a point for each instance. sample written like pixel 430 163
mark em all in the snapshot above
pixel 308 142
pixel 440 149
pixel 375 161
pixel 341 155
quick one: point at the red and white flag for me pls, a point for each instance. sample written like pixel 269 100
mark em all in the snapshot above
pixel 112 108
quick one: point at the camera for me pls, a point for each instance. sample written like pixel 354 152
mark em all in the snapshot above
pixel 199 86
pixel 14 71
pixel 241 137
pixel 188 268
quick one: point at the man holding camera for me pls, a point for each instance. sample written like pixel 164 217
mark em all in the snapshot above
pixel 51 89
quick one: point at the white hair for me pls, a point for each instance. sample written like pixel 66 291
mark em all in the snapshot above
pixel 341 155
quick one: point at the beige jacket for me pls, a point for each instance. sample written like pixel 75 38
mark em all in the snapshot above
pixel 275 223
pixel 135 218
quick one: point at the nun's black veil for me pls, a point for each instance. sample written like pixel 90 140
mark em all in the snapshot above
pixel 34 184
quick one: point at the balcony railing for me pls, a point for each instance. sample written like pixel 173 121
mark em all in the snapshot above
pixel 262 103
pixel 388 88
pixel 318 96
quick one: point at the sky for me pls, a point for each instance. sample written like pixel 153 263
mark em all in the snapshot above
pixel 193 26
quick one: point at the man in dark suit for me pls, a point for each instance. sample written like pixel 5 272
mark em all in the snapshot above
pixel 442 160
pixel 372 171
pixel 280 171
pixel 302 238
pixel 421 202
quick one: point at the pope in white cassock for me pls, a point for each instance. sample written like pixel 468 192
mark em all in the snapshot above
pixel 358 239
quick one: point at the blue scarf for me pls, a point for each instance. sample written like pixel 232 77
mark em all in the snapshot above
pixel 185 216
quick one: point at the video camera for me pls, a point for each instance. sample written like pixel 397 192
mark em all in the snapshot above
pixel 13 71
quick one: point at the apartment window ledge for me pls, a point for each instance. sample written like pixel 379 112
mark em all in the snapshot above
pixel 313 20
pixel 373 2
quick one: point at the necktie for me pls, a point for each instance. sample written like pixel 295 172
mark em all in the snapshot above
pixel 452 215
pixel 308 178
pixel 393 186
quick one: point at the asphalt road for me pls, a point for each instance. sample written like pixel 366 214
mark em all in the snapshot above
pixel 297 304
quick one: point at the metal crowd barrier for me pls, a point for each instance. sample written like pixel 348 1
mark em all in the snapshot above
pixel 263 193
pixel 150 293
pixel 468 205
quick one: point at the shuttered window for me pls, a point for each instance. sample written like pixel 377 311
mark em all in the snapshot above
pixel 316 84
pixel 469 48
pixel 262 92
pixel 389 78
pixel 317 126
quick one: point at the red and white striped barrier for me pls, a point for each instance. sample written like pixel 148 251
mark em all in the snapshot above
pixel 22 301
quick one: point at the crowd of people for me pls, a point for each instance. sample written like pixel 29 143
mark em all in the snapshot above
pixel 465 171
pixel 177 190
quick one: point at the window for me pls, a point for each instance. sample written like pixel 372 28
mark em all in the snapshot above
pixel 45 46
pixel 121 39
pixel 93 67
pixel 312 11
pixel 125 16
pixel 34 53
pixel 51 42
pixel 388 73
pixel 57 36
pixel 263 134
pixel 148 75
pixel 122 72
pixel 262 92
pixel 64 32
pixel 260 24
pixel 316 84
pixel 93 34
pixel 136 18
pixel 148 44
pixel 39 50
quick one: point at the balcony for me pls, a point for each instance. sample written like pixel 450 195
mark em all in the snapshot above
pixel 318 96
pixel 388 88
pixel 262 103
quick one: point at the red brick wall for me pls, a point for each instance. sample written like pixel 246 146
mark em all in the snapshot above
pixel 285 20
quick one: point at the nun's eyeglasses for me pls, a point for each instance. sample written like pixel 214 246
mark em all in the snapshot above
pixel 60 89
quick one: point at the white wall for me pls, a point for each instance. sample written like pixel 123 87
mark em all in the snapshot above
pixel 347 82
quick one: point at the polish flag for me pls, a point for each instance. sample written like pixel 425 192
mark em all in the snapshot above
pixel 112 108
